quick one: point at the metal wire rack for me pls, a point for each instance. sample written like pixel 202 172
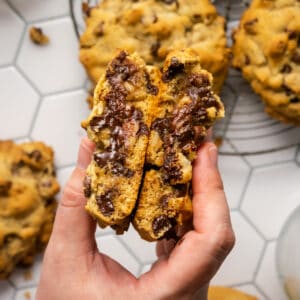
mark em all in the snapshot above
pixel 246 129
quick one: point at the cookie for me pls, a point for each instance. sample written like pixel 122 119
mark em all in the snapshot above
pixel 153 28
pixel 27 205
pixel 124 102
pixel 187 108
pixel 267 50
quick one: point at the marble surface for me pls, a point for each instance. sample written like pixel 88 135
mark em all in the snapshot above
pixel 43 91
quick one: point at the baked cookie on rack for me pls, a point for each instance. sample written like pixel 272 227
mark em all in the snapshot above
pixel 187 107
pixel 119 125
pixel 27 205
pixel 267 50
pixel 153 28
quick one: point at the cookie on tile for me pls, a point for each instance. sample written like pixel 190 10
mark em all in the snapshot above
pixel 267 50
pixel 153 28
pixel 27 205
pixel 187 108
pixel 124 102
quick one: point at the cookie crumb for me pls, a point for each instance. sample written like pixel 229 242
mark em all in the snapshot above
pixel 86 9
pixel 37 36
pixel 27 295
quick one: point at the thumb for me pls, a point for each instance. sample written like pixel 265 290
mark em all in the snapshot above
pixel 73 228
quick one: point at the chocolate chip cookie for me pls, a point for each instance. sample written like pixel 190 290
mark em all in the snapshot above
pixel 267 50
pixel 119 125
pixel 27 205
pixel 153 28
pixel 187 108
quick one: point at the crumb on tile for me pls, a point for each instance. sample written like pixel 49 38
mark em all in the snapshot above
pixel 27 295
pixel 37 36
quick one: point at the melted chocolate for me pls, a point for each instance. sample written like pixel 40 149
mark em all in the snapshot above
pixel 36 155
pixel 161 223
pixel 105 202
pixel 296 57
pixel 175 68
pixel 154 48
pixel 152 89
pixel 5 187
pixel 117 113
pixel 286 69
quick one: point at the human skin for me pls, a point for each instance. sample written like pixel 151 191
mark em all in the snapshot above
pixel 74 268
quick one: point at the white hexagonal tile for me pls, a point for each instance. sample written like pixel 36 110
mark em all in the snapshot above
pixel 235 173
pixel 11 28
pixel 6 290
pixel 240 265
pixel 18 103
pixel 63 176
pixel 146 268
pixel 272 194
pixel 53 67
pixel 27 277
pixel 272 158
pixel 25 294
pixel 58 124
pixel 114 248
pixel 145 251
pixel 251 290
pixel 267 277
pixel 33 10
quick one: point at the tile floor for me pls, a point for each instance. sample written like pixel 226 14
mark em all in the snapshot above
pixel 43 92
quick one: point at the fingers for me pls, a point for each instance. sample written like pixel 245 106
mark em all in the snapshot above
pixel 209 201
pixel 74 228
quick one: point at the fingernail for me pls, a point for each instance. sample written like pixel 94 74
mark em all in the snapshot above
pixel 213 154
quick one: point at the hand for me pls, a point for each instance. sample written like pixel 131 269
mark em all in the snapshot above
pixel 73 267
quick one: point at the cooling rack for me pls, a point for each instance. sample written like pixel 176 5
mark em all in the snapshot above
pixel 246 129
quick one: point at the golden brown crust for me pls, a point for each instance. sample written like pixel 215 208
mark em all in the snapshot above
pixel 154 28
pixel 267 50
pixel 27 205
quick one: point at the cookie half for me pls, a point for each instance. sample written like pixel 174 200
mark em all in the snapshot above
pixel 267 50
pixel 27 205
pixel 154 28
pixel 119 125
pixel 187 108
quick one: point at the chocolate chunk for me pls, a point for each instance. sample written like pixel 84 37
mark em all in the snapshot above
pixel 197 18
pixel 87 188
pixel 199 80
pixel 180 190
pixel 143 129
pixel 295 100
pixel 36 155
pixel 248 26
pixel 152 89
pixel 164 201
pixel 161 223
pixel 99 29
pixel 119 169
pixel 286 69
pixel 161 125
pixel 175 68
pixel 5 187
pixel 292 34
pixel 296 57
pixel 172 170
pixel 247 60
pixel 154 48
pixel 105 202
pixel 287 90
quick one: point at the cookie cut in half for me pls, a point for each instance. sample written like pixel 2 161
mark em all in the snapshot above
pixel 187 107
pixel 27 205
pixel 267 50
pixel 119 125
